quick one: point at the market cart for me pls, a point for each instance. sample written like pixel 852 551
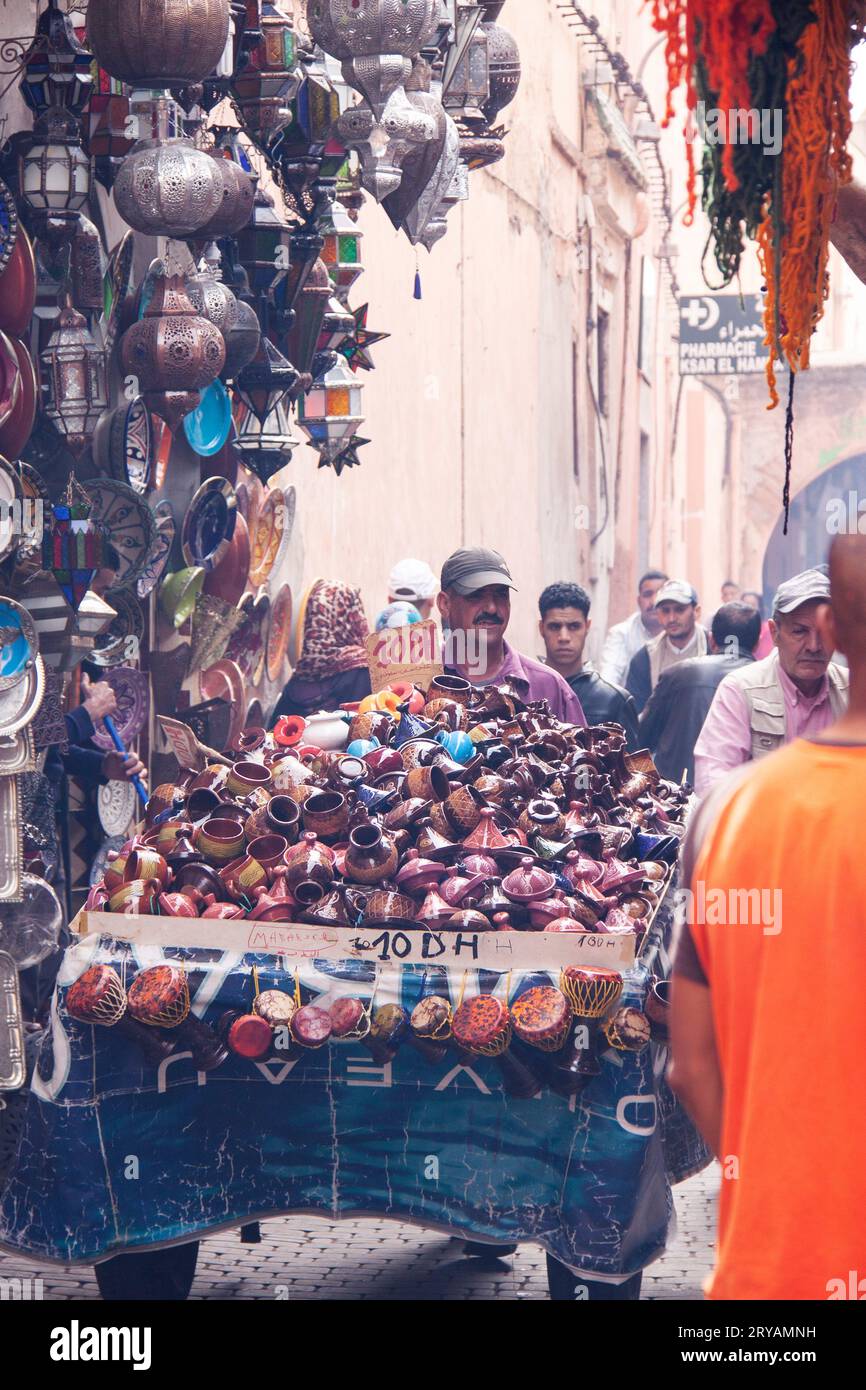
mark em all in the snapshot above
pixel 118 1155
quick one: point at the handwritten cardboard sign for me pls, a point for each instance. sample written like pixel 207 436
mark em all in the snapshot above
pixel 409 653
pixel 383 945
pixel 186 747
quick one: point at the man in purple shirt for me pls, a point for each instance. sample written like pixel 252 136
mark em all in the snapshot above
pixel 795 692
pixel 475 603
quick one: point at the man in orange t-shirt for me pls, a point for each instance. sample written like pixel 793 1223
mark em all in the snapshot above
pixel 765 1022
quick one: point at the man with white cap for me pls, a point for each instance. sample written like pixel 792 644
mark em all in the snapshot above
pixel 795 692
pixel 413 581
pixel 681 637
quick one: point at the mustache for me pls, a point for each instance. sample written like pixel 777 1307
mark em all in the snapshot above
pixel 487 618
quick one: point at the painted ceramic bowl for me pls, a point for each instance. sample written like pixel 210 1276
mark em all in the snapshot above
pixel 220 840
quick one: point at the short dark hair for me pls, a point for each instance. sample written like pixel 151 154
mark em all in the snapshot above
pixel 739 621
pixel 651 574
pixel 730 584
pixel 564 596
pixel 754 593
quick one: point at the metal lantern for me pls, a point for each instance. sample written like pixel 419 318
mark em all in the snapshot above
pixel 307 138
pixel 236 207
pixel 302 339
pixel 158 43
pixel 165 186
pixel 212 299
pixel 54 173
pixel 57 68
pixel 342 250
pixel 338 324
pixel 425 222
pixel 263 246
pixel 266 381
pixel 74 374
pixel 172 351
pixel 456 192
pixel 468 86
pixel 383 145
pixel 504 70
pixel 270 78
pixel 242 340
pixel 422 161
pixel 330 413
pixel 265 446
pixel 374 42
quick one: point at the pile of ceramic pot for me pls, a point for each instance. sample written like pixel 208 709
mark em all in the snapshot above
pixel 458 809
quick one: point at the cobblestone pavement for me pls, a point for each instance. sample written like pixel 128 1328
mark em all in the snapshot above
pixel 307 1258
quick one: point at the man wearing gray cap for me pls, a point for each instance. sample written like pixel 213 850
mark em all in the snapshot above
pixel 795 692
pixel 681 637
pixel 475 603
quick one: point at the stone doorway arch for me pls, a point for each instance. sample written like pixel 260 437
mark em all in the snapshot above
pixel 809 530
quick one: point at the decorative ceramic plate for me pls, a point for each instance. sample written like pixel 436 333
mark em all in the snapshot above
pixel 157 556
pixel 16 432
pixel 10 378
pixel 279 632
pixel 228 579
pixel 250 495
pixel 266 536
pixel 113 844
pixel 123 445
pixel 30 928
pixel 224 681
pixel 11 497
pixel 8 225
pixel 121 640
pixel 291 501
pixel 128 524
pixel 132 693
pixel 208 426
pixel 21 702
pixel 117 806
pixel 19 644
pixel 209 524
pixel 18 287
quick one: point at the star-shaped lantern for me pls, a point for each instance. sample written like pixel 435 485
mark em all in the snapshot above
pixel 355 347
pixel 348 458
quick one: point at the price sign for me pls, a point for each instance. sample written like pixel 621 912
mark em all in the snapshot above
pixel 409 653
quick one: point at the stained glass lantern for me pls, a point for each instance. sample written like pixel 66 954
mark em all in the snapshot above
pixel 469 85
pixel 307 138
pixel 54 173
pixel 73 548
pixel 270 77
pixel 73 370
pixel 266 381
pixel 57 67
pixel 330 413
pixel 263 246
pixel 305 246
pixel 265 446
pixel 342 250
pixel 108 136
pixel 338 324
pixel 302 339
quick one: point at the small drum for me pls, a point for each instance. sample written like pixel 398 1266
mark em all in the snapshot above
pixel 628 1030
pixel 159 998
pixel 247 1035
pixel 592 992
pixel 311 1026
pixel 482 1028
pixel 350 1021
pixel 388 1029
pixel 542 1017
pixel 431 1018
pixel 99 998
pixel 276 1007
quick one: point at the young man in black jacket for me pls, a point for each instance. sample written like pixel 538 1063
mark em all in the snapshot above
pixel 565 625
pixel 675 712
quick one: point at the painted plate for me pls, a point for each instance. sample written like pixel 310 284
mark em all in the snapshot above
pixel 117 806
pixel 157 556
pixel 209 524
pixel 128 523
pixel 19 644
pixel 132 692
pixel 18 287
pixel 121 640
pixel 208 426
pixel 228 579
pixel 123 445
pixel 10 378
pixel 20 702
pixel 224 681
pixel 15 433
pixel 266 536
pixel 8 225
pixel 11 497
pixel 279 633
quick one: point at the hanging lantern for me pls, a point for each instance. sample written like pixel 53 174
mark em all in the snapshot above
pixel 265 446
pixel 73 548
pixel 304 246
pixel 172 351
pixel 165 186
pixel 238 196
pixel 212 299
pixel 359 340
pixel 342 250
pixel 374 42
pixel 420 165
pixel 307 137
pixel 503 57
pixel 270 78
pixel 426 220
pixel 337 325
pixel 74 372
pixel 242 340
pixel 158 43
pixel 302 339
pixel 266 381
pixel 456 192
pixel 383 145
pixel 57 68
pixel 263 247
pixel 330 413
pixel 54 174
pixel 467 87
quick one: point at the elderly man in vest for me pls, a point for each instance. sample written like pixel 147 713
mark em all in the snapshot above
pixel 795 692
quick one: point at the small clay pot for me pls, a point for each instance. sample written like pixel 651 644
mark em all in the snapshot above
pixel 371 856
pixel 427 783
pixel 219 840
pixel 326 814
